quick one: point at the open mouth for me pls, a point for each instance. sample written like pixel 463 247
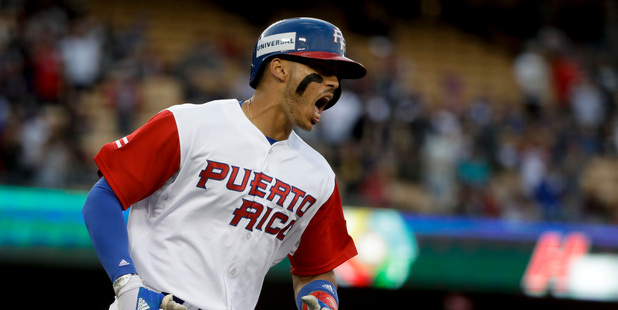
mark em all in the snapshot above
pixel 319 107
pixel 322 102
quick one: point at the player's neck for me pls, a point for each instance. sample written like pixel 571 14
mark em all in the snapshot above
pixel 268 118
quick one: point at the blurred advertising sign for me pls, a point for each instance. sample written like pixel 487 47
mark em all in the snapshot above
pixel 563 266
pixel 386 249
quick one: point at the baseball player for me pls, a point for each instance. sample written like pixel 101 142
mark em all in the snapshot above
pixel 222 191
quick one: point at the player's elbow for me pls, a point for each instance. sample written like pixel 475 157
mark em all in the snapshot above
pixel 100 198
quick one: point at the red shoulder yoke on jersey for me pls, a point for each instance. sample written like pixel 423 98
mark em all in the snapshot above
pixel 139 164
pixel 325 243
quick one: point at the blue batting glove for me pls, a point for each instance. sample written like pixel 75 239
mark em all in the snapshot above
pixel 147 299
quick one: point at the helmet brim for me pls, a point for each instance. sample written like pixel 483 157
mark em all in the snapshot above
pixel 348 68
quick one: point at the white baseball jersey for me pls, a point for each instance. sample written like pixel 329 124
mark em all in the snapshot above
pixel 215 205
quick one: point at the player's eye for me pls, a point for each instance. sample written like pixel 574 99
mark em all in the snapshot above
pixel 324 68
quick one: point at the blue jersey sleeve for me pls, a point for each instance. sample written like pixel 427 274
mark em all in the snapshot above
pixel 104 219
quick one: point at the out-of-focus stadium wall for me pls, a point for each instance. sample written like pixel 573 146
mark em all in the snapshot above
pixel 43 239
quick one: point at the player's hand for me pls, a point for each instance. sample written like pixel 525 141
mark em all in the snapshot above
pixel 132 295
pixel 168 303
pixel 313 303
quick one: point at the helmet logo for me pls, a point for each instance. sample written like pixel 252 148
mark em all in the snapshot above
pixel 275 43
pixel 338 36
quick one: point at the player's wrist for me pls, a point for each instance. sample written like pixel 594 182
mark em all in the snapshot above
pixel 322 290
pixel 126 282
pixel 131 293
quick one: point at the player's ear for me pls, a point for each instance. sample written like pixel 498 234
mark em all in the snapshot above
pixel 280 68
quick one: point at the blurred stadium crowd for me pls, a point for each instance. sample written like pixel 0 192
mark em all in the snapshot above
pixel 549 156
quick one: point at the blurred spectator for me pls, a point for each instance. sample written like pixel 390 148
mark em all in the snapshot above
pixel 439 157
pixel 122 90
pixel 565 75
pixel 33 136
pixel 55 157
pixel 565 68
pixel 532 74
pixel 338 124
pixel 375 186
pixel 201 73
pixel 47 71
pixel 587 104
pixel 46 20
pixel 13 79
pixel 533 164
pixel 81 52
pixel 588 111
pixel 8 139
pixel 548 194
pixel 125 43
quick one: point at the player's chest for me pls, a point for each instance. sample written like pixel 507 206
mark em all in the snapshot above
pixel 266 193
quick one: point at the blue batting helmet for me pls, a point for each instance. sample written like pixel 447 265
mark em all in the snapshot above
pixel 304 38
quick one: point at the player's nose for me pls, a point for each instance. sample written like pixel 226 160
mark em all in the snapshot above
pixel 331 81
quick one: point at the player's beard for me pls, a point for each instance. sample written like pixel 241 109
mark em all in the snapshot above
pixel 297 103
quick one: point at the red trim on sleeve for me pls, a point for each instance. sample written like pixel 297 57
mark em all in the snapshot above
pixel 325 243
pixel 139 164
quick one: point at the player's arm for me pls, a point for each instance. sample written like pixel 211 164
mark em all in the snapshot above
pixel 106 225
pixel 325 244
pixel 104 220
pixel 317 292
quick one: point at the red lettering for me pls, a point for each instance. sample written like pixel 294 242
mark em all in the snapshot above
pixel 214 170
pixel 280 189
pixel 575 246
pixel 308 202
pixel 250 210
pixel 277 216
pixel 268 210
pixel 283 232
pixel 297 194
pixel 551 260
pixel 231 182
pixel 258 185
